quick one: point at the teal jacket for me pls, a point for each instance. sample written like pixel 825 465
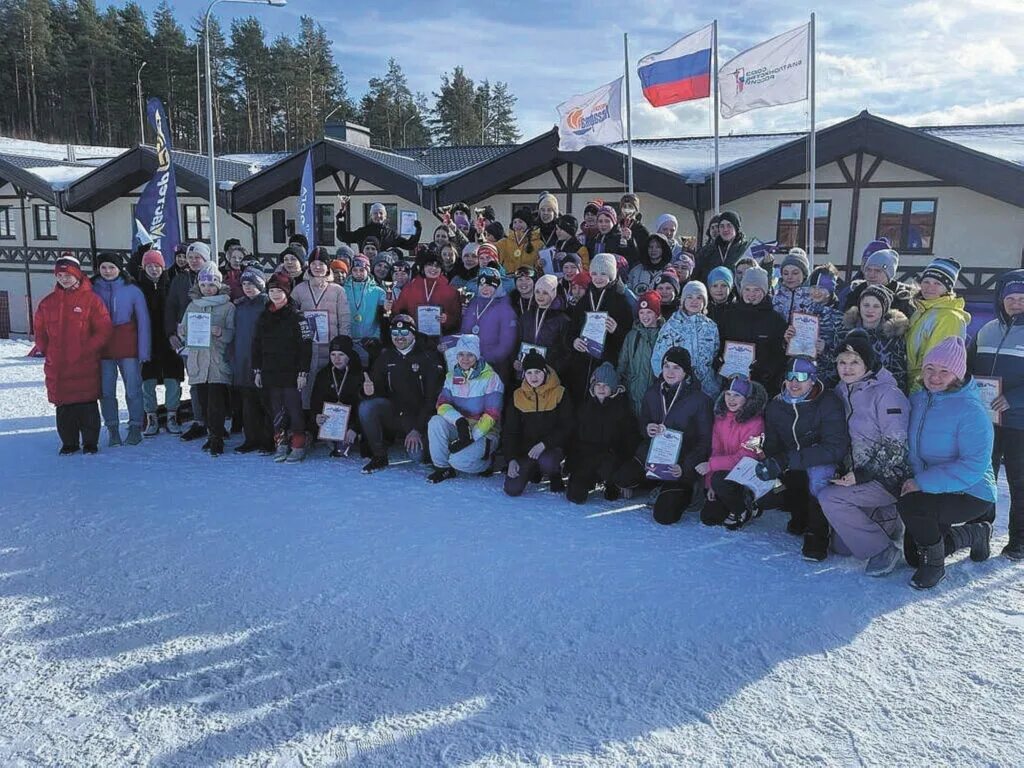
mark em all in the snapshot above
pixel 634 366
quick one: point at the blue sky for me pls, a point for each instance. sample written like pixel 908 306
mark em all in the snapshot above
pixel 918 62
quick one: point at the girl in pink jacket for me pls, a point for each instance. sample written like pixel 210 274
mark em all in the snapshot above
pixel 739 422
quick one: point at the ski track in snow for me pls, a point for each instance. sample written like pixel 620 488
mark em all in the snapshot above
pixel 159 607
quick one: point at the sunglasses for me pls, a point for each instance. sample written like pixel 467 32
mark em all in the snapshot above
pixel 401 332
pixel 798 376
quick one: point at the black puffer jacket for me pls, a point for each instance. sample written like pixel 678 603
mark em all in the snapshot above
pixel 762 326
pixel 689 411
pixel 809 433
pixel 334 386
pixel 411 382
pixel 602 429
pixel 282 346
pixel 164 362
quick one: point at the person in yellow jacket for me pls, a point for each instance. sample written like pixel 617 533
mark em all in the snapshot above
pixel 938 314
pixel 516 249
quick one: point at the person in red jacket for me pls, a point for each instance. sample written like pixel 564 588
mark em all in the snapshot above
pixel 72 326
pixel 430 288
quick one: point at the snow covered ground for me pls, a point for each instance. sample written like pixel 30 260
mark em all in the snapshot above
pixel 161 607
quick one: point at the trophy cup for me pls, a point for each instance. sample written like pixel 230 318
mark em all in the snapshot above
pixel 755 444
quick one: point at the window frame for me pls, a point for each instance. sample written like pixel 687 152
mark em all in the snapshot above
pixel 323 224
pixel 186 234
pixel 801 239
pixel 279 225
pixel 7 224
pixel 908 204
pixel 51 223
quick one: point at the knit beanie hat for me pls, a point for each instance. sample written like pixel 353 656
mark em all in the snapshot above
pixel 946 271
pixel 740 385
pixel 721 275
pixel 293 250
pixel 70 265
pixel 486 252
pixel 525 215
pixel 489 276
pixel 549 199
pixel 468 342
pixel 200 248
pixel 534 360
pixel 732 217
pixel 320 254
pixel 300 240
pixel 546 284
pixel 859 343
pixel 605 374
pixel 359 260
pixel 650 300
pixel 670 278
pixel 630 197
pixel 881 244
pixel 109 257
pixel 567 223
pixel 495 230
pixel 153 257
pixel 255 276
pixel 1010 288
pixel 685 260
pixel 695 288
pixel 341 343
pixel 681 357
pixel 950 353
pixel 572 258
pixel 344 252
pixel 403 323
pixel 371 240
pixel 755 277
pixel 885 259
pixel 797 257
pixel 280 280
pixel 232 242
pixel 210 274
pixel 607 210
pixel 881 293
pixel 526 270
pixel 604 263
pixel 338 265
pixel 593 206
pixel 582 279
pixel 802 365
pixel 823 278
pixel 665 218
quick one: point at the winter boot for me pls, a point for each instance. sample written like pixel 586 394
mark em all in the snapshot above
pixel 611 492
pixel 216 446
pixel 68 450
pixel 977 536
pixel 884 562
pixel 815 547
pixel 296 456
pixel 283 449
pixel 931 567
pixel 172 424
pixel 114 438
pixel 134 435
pixel 440 474
pixel 1014 550
pixel 375 464
pixel 205 448
pixel 152 425
pixel 90 449
pixel 557 484
pixel 194 432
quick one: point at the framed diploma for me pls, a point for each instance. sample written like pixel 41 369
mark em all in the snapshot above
pixel 547 260
pixel 317 319
pixel 336 425
pixel 663 453
pixel 990 388
pixel 745 473
pixel 407 226
pixel 737 358
pixel 524 348
pixel 199 330
pixel 428 320
pixel 805 341
pixel 595 331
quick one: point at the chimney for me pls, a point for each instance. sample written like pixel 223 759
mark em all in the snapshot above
pixel 70 152
pixel 343 130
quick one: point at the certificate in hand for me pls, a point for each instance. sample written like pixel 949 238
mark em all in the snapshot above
pixel 805 342
pixel 663 453
pixel 990 388
pixel 737 359
pixel 317 319
pixel 428 320
pixel 595 331
pixel 336 425
pixel 198 330
pixel 745 473
pixel 407 226
pixel 547 260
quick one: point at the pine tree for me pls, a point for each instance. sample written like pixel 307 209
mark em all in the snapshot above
pixel 456 120
pixel 171 76
pixel 503 129
pixel 391 112
pixel 250 59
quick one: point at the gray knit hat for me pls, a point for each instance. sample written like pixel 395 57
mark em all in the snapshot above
pixel 755 277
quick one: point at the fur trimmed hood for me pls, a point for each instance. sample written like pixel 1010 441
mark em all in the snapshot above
pixel 894 322
pixel 753 407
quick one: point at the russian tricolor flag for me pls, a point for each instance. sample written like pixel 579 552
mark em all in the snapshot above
pixel 679 73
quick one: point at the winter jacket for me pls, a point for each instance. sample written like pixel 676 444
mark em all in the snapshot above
pixel 365 304
pixel 543 236
pixel 130 316
pixel 183 289
pixel 211 365
pixel 951 439
pixel 247 315
pixel 933 320
pixel 387 236
pixel 495 322
pixel 164 362
pixel 786 301
pixel 718 253
pixel 411 382
pixel 644 275
pixel 684 408
pixel 903 296
pixel 475 395
pixel 520 304
pixel 998 350
pixel 547 328
pixel 611 299
pixel 513 254
pixel 877 416
pixel 887 340
pixel 344 386
pixel 233 280
pixel 441 295
pixel 613 242
pixel 830 328
pixel 541 415
pixel 334 302
pixel 72 326
pixel 731 430
pixel 808 433
pixel 572 245
pixel 282 346
pixel 634 366
pixel 716 310
pixel 603 429
pixel 636 243
pixel 760 325
pixel 698 335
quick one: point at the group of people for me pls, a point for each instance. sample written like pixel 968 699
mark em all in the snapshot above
pixel 596 355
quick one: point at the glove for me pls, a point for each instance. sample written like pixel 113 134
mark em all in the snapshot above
pixel 417 226
pixel 465 438
pixel 769 469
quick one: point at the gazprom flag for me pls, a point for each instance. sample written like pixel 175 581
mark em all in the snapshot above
pixel 156 213
pixel 307 203
pixel 769 74
pixel 591 118
pixel 681 72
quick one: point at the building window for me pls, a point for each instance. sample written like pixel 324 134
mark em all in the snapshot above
pixel 197 222
pixel 325 223
pixel 45 217
pixel 791 226
pixel 280 225
pixel 391 208
pixel 6 223
pixel 909 224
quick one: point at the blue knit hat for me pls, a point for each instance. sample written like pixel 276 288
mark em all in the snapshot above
pixel 802 365
pixel 887 260
pixel 255 276
pixel 605 374
pixel 881 244
pixel 946 271
pixel 721 275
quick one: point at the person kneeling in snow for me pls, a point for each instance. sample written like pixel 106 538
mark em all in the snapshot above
pixel 537 427
pixel 340 381
pixel 465 431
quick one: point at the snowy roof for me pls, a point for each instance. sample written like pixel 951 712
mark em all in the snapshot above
pixel 59 176
pixel 256 161
pixel 41 149
pixel 396 162
pixel 1003 141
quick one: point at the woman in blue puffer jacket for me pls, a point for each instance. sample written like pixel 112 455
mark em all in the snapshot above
pixel 950 454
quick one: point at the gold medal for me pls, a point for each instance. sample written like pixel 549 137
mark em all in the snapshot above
pixel 359 318
pixel 518 253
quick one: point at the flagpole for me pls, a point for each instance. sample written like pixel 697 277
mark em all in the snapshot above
pixel 714 106
pixel 812 161
pixel 629 115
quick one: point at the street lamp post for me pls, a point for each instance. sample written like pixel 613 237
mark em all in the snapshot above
pixel 142 117
pixel 209 114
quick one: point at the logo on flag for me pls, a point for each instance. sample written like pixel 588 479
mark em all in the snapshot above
pixel 681 72
pixel 591 118
pixel 156 214
pixel 307 196
pixel 769 74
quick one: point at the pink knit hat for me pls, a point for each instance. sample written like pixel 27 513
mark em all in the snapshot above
pixel 950 353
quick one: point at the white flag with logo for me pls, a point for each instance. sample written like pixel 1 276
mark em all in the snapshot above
pixel 591 118
pixel 769 74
